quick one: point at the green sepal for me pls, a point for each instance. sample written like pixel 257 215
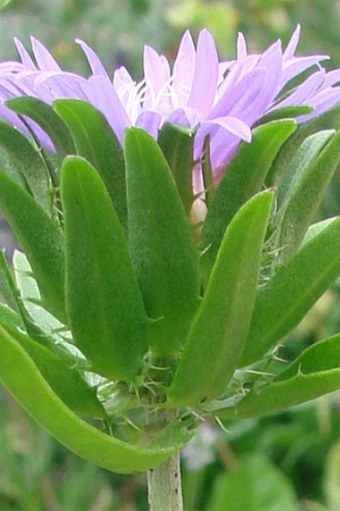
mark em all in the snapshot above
pixel 10 296
pixel 305 195
pixel 44 115
pixel 10 318
pixel 104 304
pixel 65 381
pixel 33 392
pixel 220 328
pixel 243 179
pixel 96 142
pixel 295 287
pixel 161 245
pixel 40 238
pixel 26 160
pixel 177 146
pixel 9 293
pixel 314 373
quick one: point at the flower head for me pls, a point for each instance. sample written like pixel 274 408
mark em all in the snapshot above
pixel 219 99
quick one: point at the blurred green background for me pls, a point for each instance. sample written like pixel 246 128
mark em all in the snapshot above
pixel 288 462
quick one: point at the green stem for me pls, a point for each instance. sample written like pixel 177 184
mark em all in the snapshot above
pixel 164 481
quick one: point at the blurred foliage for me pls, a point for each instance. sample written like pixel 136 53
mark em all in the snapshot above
pixel 38 474
pixel 295 454
pixel 291 459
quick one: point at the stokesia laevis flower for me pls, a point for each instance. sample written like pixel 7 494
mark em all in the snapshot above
pixel 219 99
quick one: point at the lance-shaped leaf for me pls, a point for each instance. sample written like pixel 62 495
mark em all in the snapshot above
pixel 103 301
pixel 287 152
pixel 245 176
pixel 286 112
pixel 161 245
pixel 65 381
pixel 307 152
pixel 95 141
pixel 28 163
pixel 314 373
pixel 302 203
pixel 177 146
pixel 40 238
pixel 219 331
pixel 292 291
pixel 23 379
pixel 44 115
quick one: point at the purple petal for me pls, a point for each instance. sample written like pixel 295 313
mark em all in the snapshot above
pixel 184 67
pixel 150 122
pixel 203 91
pixel 271 62
pixel 157 73
pixel 243 99
pixel 304 91
pixel 95 63
pixel 103 96
pixel 292 44
pixel 24 55
pixel 241 47
pixel 233 125
pixel 43 57
pixel 332 77
pixel 236 73
pixel 122 78
pixel 296 66
pixel 321 103
pixel 61 84
pixel 180 117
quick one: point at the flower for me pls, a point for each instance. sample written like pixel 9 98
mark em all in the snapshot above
pixel 220 99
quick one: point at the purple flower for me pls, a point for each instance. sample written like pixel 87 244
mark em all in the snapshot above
pixel 220 99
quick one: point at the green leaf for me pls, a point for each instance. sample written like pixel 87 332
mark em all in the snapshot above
pixel 44 115
pixel 95 141
pixel 291 292
pixel 161 245
pixel 23 379
pixel 287 152
pixel 307 153
pixel 314 373
pixel 253 485
pixel 29 164
pixel 304 199
pixel 286 112
pixel 40 238
pixel 243 178
pixel 104 304
pixel 219 331
pixel 65 381
pixel 316 229
pixel 177 146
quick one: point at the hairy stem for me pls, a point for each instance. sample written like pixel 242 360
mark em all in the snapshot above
pixel 164 481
